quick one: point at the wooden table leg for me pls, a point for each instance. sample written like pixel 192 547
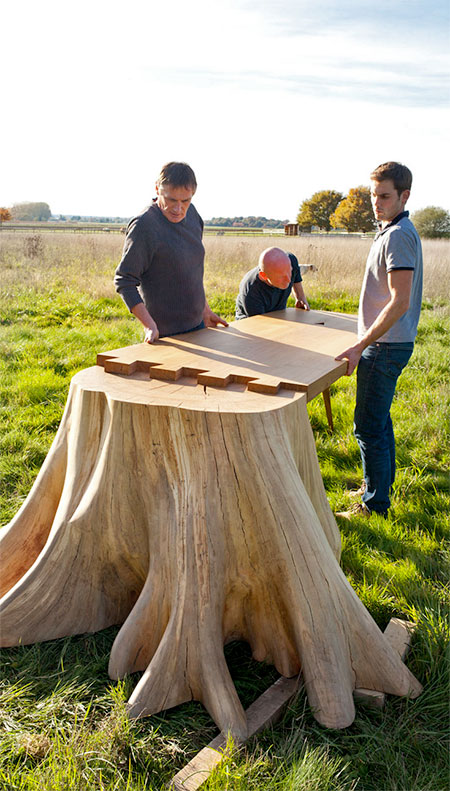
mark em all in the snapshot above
pixel 327 402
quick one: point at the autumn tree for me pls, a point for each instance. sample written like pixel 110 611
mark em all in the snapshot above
pixel 5 214
pixel 355 212
pixel 318 209
pixel 31 212
pixel 432 222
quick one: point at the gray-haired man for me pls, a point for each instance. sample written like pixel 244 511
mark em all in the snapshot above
pixel 160 276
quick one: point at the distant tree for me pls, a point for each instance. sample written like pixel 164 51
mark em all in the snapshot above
pixel 304 227
pixel 5 214
pixel 318 209
pixel 31 211
pixel 355 212
pixel 432 222
pixel 244 222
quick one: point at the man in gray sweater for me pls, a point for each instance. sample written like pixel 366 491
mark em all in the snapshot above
pixel 160 276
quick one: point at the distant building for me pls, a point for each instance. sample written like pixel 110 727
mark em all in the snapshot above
pixel 291 229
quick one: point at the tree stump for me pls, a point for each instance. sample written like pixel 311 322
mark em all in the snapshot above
pixel 193 516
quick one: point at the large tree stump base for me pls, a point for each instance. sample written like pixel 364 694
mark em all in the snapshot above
pixel 192 516
pixel 269 707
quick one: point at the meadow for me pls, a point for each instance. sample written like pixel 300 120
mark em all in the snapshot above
pixel 62 720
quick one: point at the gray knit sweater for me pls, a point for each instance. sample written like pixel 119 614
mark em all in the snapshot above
pixel 162 266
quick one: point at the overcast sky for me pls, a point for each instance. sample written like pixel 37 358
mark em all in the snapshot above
pixel 268 101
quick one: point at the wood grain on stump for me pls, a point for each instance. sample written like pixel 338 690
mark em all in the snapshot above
pixel 192 515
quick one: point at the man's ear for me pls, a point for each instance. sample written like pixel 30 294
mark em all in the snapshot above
pixel 263 276
pixel 405 196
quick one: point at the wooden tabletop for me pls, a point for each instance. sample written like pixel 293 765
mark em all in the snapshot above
pixel 286 350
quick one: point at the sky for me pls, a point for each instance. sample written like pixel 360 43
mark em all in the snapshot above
pixel 268 101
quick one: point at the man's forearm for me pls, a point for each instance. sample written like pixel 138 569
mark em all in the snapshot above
pixel 141 313
pixel 300 296
pixel 391 313
pixel 149 324
pixel 387 318
pixel 400 288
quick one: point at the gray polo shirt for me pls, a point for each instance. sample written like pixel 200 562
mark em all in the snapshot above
pixel 397 246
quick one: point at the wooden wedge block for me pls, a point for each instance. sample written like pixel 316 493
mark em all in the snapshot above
pixel 399 634
pixel 197 771
pixel 264 711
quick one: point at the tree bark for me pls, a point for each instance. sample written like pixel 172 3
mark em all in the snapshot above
pixel 192 516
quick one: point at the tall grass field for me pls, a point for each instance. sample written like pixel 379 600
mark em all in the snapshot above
pixel 63 725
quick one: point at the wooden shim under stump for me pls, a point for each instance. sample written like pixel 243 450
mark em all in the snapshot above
pixel 266 709
pixel 399 634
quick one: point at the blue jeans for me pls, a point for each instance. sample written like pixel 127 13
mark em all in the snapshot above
pixel 200 326
pixel 378 370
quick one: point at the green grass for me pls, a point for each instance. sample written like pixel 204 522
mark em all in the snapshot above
pixel 63 722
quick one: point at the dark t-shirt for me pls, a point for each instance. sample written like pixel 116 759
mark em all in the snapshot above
pixel 255 296
pixel 162 266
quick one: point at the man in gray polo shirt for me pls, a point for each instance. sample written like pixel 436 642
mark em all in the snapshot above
pixel 389 311
pixel 160 276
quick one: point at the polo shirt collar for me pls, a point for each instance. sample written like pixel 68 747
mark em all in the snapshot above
pixel 391 223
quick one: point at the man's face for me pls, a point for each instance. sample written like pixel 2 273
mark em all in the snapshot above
pixel 173 201
pixel 278 277
pixel 386 202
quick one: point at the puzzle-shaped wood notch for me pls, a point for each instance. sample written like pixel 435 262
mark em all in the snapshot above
pixel 221 376
pixel 265 353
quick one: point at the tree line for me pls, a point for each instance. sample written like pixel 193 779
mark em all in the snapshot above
pixel 245 222
pixel 41 212
pixel 329 209
pixel 325 210
pixel 29 212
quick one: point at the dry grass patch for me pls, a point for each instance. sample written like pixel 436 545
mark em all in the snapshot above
pixel 339 262
pixel 86 262
pixel 65 261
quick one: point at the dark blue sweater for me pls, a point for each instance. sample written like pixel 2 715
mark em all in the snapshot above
pixel 162 266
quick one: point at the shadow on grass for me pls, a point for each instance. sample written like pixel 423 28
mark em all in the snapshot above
pixel 81 662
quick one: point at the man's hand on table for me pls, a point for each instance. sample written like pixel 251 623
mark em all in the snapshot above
pixel 211 319
pixel 151 334
pixel 352 355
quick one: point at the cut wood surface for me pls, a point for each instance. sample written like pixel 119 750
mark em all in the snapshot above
pixel 192 516
pixel 292 349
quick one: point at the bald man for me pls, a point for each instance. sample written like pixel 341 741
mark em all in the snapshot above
pixel 268 286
